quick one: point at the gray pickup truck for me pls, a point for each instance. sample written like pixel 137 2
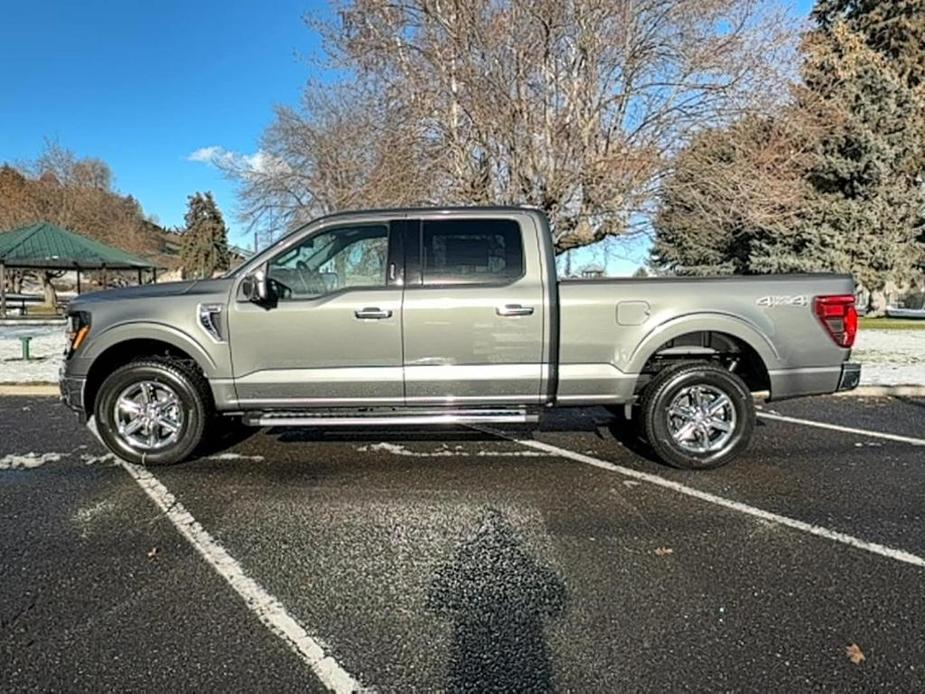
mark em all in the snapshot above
pixel 448 316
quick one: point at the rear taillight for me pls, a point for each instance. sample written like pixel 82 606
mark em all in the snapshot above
pixel 839 316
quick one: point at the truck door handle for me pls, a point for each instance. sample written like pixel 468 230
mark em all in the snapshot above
pixel 514 310
pixel 373 312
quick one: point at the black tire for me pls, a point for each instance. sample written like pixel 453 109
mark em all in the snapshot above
pixel 193 394
pixel 675 381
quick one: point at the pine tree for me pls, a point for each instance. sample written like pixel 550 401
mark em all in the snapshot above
pixel 893 28
pixel 204 249
pixel 869 196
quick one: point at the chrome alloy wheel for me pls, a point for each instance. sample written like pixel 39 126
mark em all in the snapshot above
pixel 701 419
pixel 148 416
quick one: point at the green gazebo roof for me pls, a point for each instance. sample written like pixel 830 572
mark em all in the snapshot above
pixel 45 245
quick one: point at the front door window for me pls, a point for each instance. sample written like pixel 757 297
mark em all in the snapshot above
pixel 342 258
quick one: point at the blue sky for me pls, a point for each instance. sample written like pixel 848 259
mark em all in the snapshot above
pixel 142 85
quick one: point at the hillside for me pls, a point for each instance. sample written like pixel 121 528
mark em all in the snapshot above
pixel 79 197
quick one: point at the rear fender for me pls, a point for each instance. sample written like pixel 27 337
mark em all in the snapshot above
pixel 698 322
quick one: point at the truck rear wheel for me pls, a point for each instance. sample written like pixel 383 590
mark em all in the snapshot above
pixel 153 411
pixel 697 415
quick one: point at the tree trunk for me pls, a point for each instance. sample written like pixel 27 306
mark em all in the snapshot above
pixel 48 289
pixel 877 303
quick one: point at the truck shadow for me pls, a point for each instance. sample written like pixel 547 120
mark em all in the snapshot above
pixel 443 434
pixel 595 420
pixel 592 420
pixel 911 402
pixel 223 434
pixel 498 598
pixel 605 425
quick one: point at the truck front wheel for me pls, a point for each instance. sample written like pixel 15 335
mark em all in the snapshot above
pixel 152 411
pixel 697 415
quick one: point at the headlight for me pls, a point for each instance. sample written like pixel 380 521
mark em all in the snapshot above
pixel 78 327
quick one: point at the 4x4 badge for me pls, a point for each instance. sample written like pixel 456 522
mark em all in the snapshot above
pixel 782 301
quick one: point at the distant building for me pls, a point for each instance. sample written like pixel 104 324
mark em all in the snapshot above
pixel 239 255
pixel 592 271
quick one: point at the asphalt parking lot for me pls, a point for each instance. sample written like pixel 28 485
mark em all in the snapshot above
pixel 551 558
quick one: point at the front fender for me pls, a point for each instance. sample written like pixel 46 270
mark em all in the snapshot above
pixel 144 330
pixel 698 322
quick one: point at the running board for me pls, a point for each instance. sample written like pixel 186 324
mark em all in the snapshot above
pixel 416 417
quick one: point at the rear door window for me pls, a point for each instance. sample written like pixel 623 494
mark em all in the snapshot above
pixel 471 251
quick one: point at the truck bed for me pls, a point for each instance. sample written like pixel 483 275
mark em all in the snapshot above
pixel 609 329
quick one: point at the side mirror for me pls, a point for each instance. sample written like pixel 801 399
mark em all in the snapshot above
pixel 254 286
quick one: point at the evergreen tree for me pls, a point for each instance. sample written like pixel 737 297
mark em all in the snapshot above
pixel 869 199
pixel 204 249
pixel 893 28
pixel 833 182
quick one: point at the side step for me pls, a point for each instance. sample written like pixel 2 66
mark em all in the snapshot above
pixel 379 418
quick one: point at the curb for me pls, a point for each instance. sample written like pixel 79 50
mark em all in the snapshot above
pixel 910 391
pixel 30 389
pixel 905 391
pixel 31 322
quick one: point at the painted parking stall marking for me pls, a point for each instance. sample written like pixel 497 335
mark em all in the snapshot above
pixel 847 430
pixel 268 609
pixel 817 530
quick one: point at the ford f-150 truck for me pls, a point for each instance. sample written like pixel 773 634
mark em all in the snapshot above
pixel 448 316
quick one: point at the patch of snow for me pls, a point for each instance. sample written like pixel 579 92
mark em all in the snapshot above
pixel 108 459
pixel 47 349
pixel 891 357
pixel 28 461
pixel 236 456
pixel 88 513
pixel 444 451
pixel 510 454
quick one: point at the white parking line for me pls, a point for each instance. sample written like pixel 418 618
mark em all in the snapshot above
pixel 818 530
pixel 847 430
pixel 268 609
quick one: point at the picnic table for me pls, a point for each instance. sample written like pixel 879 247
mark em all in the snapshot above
pixel 34 304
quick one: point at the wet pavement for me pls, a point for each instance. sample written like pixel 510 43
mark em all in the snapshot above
pixel 462 560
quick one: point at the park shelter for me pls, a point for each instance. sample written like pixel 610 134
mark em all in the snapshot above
pixel 44 246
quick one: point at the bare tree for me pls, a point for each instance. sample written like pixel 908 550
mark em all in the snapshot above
pixel 75 193
pixel 344 148
pixel 574 106
pixel 736 185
